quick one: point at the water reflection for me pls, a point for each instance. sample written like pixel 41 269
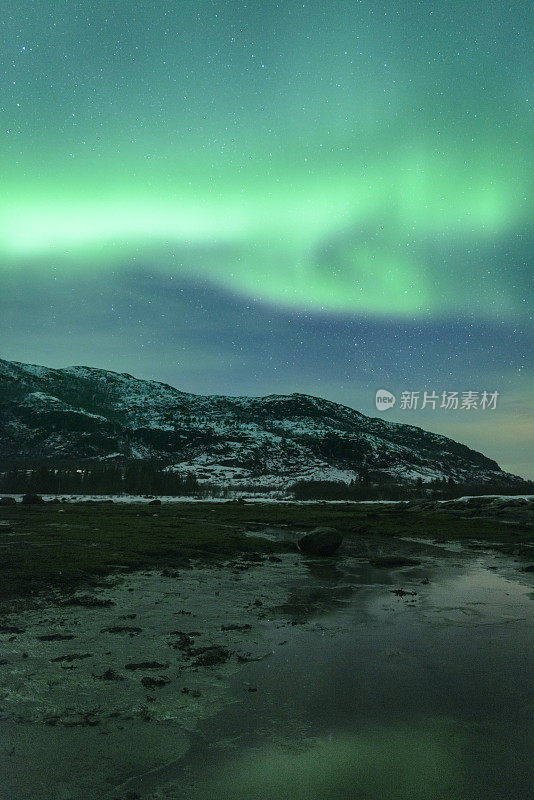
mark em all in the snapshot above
pixel 419 762
pixel 333 582
pixel 323 589
pixel 378 695
pixel 376 698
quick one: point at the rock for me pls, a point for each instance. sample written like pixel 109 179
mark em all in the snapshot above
pixel 68 657
pixel 152 683
pixel 110 675
pixel 146 665
pixel 245 658
pixel 88 601
pixel 185 640
pixel 88 718
pixel 191 692
pixel 155 502
pixel 320 542
pixel 32 499
pixel 55 637
pixel 236 627
pixel 530 568
pixel 211 655
pixel 394 561
pixel 8 501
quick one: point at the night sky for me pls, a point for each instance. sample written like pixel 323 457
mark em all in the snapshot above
pixel 329 196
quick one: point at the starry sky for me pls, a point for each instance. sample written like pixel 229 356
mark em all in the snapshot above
pixel 245 197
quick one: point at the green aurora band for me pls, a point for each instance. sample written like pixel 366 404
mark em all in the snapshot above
pixel 350 184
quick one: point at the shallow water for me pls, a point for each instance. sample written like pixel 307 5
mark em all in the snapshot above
pixel 378 684
pixel 376 695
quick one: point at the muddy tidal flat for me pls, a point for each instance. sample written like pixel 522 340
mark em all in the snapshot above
pixel 181 650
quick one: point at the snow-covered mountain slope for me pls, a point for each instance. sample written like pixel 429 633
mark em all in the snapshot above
pixel 82 413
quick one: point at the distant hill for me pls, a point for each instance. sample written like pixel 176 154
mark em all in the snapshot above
pixel 83 414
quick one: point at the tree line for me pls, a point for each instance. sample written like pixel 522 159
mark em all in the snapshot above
pixel 137 478
pixel 438 489
pixel 148 478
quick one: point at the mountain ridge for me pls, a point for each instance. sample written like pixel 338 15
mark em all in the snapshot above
pixel 89 414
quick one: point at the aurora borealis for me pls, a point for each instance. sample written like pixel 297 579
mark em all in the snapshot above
pixel 257 197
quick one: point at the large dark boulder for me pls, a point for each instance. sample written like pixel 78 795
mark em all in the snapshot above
pixel 7 501
pixel 32 499
pixel 320 542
